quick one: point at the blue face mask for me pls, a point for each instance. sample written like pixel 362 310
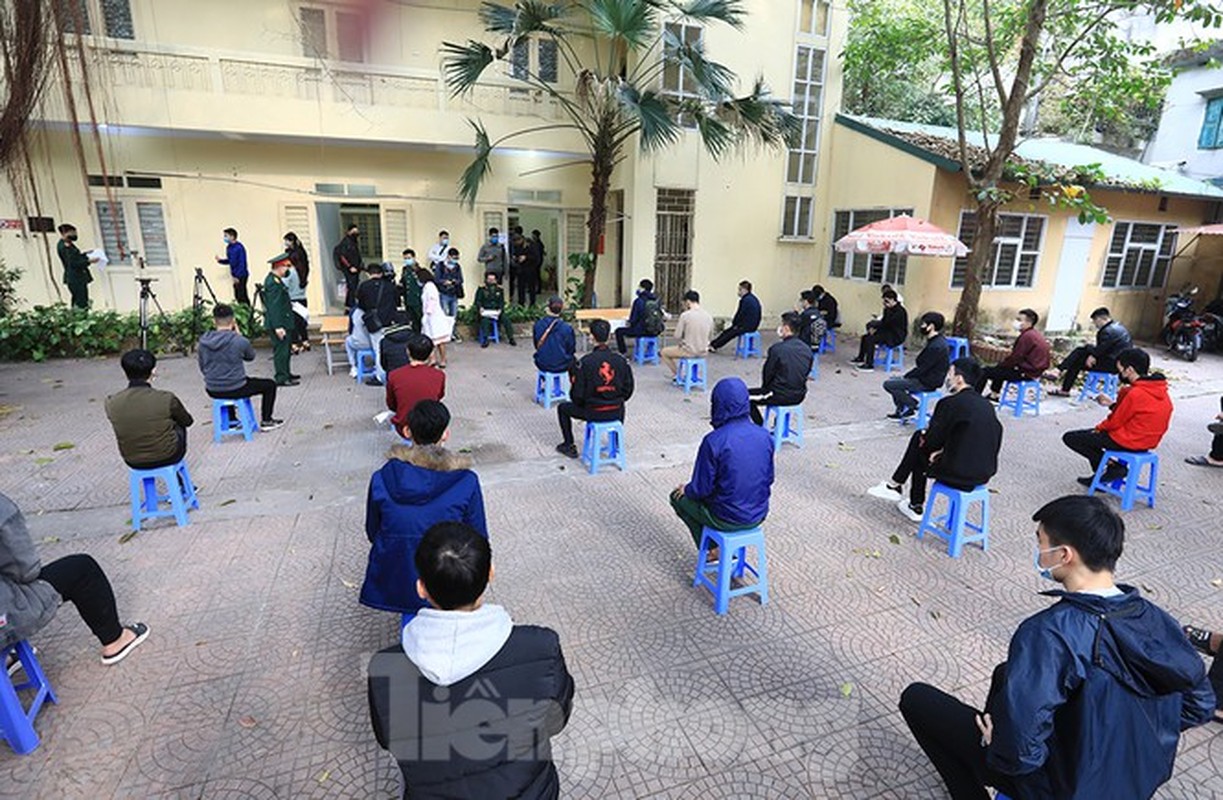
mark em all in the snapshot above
pixel 225 239
pixel 1045 572
pixel 409 262
pixel 450 262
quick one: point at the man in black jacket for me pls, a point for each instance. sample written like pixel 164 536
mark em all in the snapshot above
pixel 471 710
pixel 890 331
pixel 1111 339
pixel 785 371
pixel 827 304
pixel 959 449
pixel 347 255
pixel 378 299
pixel 813 325
pixel 927 374
pixel 746 320
pixel 604 382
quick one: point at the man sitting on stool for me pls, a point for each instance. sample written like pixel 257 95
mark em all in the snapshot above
pixel 408 385
pixel 1111 339
pixel 555 342
pixel 645 318
pixel 928 372
pixel 1137 420
pixel 959 449
pixel 603 383
pixel 890 331
pixel 221 353
pixel 746 319
pixel 1028 359
pixel 692 332
pixel 150 424
pixel 490 304
pixel 733 474
pixel 785 370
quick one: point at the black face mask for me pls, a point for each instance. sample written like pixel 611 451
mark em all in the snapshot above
pixel 72 237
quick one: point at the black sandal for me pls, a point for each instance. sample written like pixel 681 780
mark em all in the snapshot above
pixel 1200 639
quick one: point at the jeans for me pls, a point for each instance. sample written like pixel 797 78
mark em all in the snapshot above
pixel 725 336
pixel 915 464
pixel 80 580
pixel 1076 362
pixel 567 412
pixel 697 516
pixel 902 390
pixel 1091 444
pixel 450 304
pixel 265 388
pixel 996 376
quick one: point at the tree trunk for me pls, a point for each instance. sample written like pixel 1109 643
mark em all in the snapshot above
pixel 596 222
pixel 979 260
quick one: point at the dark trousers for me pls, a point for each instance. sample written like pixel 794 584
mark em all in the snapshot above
pixel 240 293
pixel 266 389
pixel 504 328
pixel 300 332
pixel 566 413
pixel 725 336
pixel 902 391
pixel 180 451
pixel 80 580
pixel 866 348
pixel 415 313
pixel 915 464
pixel 625 332
pixel 1076 362
pixel 1215 674
pixel 1216 447
pixel 79 291
pixel 280 357
pixel 351 281
pixel 946 729
pixel 1091 444
pixel 697 516
pixel 996 376
pixel 526 284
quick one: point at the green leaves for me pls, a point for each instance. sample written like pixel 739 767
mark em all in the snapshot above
pixel 58 331
pixel 463 64
pixel 479 169
pixel 729 12
pixel 652 114
pixel 626 22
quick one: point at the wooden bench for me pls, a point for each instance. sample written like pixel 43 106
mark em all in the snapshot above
pixel 334 330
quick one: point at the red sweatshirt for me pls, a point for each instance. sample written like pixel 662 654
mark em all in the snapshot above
pixel 408 385
pixel 1030 354
pixel 1139 418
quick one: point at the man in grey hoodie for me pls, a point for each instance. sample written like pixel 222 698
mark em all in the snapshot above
pixel 221 353
pixel 472 709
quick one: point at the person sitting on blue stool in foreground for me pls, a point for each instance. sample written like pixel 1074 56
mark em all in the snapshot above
pixel 603 385
pixel 1095 690
pixel 1137 420
pixel 732 478
pixel 222 353
pixel 746 319
pixel 929 369
pixel 150 424
pixel 555 341
pixel 691 333
pixel 645 318
pixel 784 374
pixel 813 326
pixel 959 448
pixel 891 330
pixel 416 488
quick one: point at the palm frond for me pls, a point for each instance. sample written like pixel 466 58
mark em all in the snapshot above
pixel 651 115
pixel 498 19
pixel 761 117
pixel 628 21
pixel 718 137
pixel 728 12
pixel 711 78
pixel 538 16
pixel 463 64
pixel 479 169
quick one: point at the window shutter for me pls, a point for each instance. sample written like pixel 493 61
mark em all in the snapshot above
pixel 394 232
pixel 153 234
pixel 1210 136
pixel 114 231
pixel 295 217
pixel 968 229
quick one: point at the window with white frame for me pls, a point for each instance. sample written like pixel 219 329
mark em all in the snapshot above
pixel 677 81
pixel 534 57
pixel 1015 253
pixel 111 18
pixel 327 32
pixel 796 217
pixel 133 224
pixel 872 267
pixel 1139 255
pixel 807 104
pixel 813 17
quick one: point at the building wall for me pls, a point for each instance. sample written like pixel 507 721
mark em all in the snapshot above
pixel 1181 122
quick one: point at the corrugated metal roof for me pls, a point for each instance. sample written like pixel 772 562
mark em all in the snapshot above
pixel 1125 173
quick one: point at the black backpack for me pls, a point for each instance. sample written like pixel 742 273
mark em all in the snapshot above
pixel 652 320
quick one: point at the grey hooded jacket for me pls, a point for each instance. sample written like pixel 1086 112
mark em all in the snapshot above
pixel 221 354
pixel 26 602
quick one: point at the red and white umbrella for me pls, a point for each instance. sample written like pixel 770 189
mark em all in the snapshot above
pixel 902 234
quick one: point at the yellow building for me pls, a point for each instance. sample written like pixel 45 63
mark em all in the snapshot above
pixel 1043 257
pixel 270 116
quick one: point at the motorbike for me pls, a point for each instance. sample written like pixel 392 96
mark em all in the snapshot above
pixel 1182 332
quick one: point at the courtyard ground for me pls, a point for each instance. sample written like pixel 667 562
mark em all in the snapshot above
pixel 252 683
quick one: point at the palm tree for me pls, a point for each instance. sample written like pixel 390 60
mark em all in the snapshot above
pixel 618 50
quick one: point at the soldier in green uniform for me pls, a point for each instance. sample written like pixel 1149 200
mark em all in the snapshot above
pixel 490 298
pixel 278 318
pixel 76 266
pixel 411 289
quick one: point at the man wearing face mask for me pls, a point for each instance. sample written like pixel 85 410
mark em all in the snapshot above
pixel 785 370
pixel 492 255
pixel 1111 339
pixel 76 266
pixel 410 287
pixel 927 373
pixel 1095 690
pixel 347 255
pixel 1028 359
pixel 1136 421
pixel 959 448
pixel 235 257
pixel 437 253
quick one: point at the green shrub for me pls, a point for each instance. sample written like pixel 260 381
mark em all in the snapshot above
pixel 59 331
pixel 470 315
pixel 8 289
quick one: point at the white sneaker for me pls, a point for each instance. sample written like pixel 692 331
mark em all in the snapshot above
pixel 352 372
pixel 903 506
pixel 885 492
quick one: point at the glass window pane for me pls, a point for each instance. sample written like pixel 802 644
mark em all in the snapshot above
pixel 821 21
pixel 1031 234
pixel 1026 270
pixel 810 133
pixel 817 65
pixel 802 63
pixel 118 17
pixel 693 34
pixel 794 168
pixel 787 222
pixel 1168 246
pixel 900 265
pixel 1010 226
pixel 314 32
pixel 1112 270
pixel 808 169
pixel 806 16
pixel 1129 267
pixel 837 267
pixel 114 231
pixel 520 60
pixel 803 226
pixel 1144 234
pixel 153 234
pixel 1160 276
pixel 1120 231
pixel 1146 260
pixel 547 61
pixel 1004 271
pixel 877 262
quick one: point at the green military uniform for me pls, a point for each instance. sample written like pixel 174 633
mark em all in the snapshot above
pixel 76 272
pixel 411 289
pixel 278 313
pixel 492 298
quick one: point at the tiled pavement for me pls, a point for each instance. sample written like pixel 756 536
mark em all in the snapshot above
pixel 252 682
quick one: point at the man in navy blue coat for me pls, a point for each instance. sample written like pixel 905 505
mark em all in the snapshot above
pixel 747 317
pixel 733 474
pixel 1095 691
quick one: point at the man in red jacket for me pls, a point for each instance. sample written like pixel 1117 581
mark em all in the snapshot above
pixel 416 381
pixel 1136 421
pixel 1028 360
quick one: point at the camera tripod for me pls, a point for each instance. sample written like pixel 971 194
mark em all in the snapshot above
pixel 147 294
pixel 198 303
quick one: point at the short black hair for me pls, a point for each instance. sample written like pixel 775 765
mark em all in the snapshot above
pixel 291 237
pixel 420 347
pixel 555 304
pixel 222 311
pixel 1088 525
pixel 427 421
pixel 746 285
pixel 409 252
pixel 692 296
pixel 231 232
pixel 354 226
pixel 493 231
pixel 374 267
pixel 489 274
pixel 518 229
pixel 934 318
pixel 1032 316
pixel 454 563
pixel 600 330
pixel 454 251
pixel 968 368
pixel 792 320
pixel 65 228
pixel 885 288
pixel 1102 311
pixel 817 289
pixel 808 295
pixel 647 284
pixel 443 233
pixel 888 294
pixel 1136 358
pixel 138 364
pixel 535 232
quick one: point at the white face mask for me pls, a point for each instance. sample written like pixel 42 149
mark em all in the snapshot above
pixel 1045 572
pixel 1016 325
pixel 781 332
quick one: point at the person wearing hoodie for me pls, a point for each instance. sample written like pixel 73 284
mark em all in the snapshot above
pixel 786 367
pixel 31 592
pixel 732 478
pixel 416 488
pixel 1028 359
pixel 746 319
pixel 645 317
pixel 471 711
pixel 221 355
pixel 1137 419
pixel 928 372
pixel 1095 690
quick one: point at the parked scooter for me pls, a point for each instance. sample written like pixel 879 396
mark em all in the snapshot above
pixel 1183 330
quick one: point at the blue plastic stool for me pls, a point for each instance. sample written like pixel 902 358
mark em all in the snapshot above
pixel 894 357
pixel 692 374
pixel 732 563
pixel 595 454
pixel 147 501
pixel 243 423
pixel 786 425
pixel 748 345
pixel 954 525
pixel 645 350
pixel 957 347
pixel 1099 383
pixel 362 372
pixel 551 387
pixel 925 400
pixel 494 337
pixel 814 374
pixel 16 721
pixel 828 342
pixel 1020 402
pixel 1130 487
